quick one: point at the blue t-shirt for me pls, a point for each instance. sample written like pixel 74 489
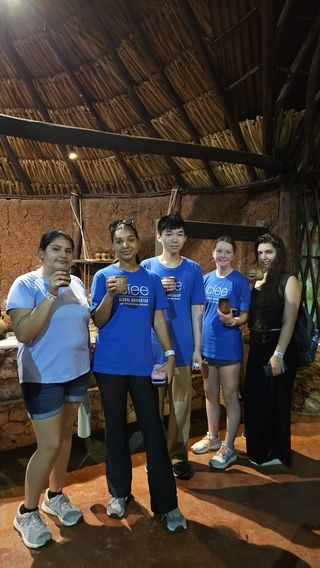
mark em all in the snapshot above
pixel 218 340
pixel 123 344
pixel 189 291
pixel 60 353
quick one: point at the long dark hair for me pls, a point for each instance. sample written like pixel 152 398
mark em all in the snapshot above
pixel 270 297
pixel 278 266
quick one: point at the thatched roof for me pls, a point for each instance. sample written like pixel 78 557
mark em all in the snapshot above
pixel 234 74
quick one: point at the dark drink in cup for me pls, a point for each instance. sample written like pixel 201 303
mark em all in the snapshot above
pixel 224 305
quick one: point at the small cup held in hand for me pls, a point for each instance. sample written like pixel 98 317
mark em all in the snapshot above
pixel 169 283
pixel 67 281
pixel 121 287
pixel 224 306
pixel 255 273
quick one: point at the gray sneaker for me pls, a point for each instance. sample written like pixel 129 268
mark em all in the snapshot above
pixel 175 521
pixel 32 528
pixel 61 507
pixel 116 507
pixel 223 458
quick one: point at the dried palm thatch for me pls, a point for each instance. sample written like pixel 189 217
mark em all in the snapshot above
pixel 190 71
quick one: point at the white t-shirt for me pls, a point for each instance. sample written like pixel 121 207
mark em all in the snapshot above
pixel 60 352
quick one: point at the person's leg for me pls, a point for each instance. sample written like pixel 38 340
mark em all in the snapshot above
pixel 212 394
pixel 114 390
pixel 229 377
pixel 160 476
pixel 180 391
pixel 48 435
pixel 58 471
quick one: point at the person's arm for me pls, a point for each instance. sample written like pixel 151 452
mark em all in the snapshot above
pixel 161 330
pixel 196 317
pixel 27 323
pixel 292 298
pixel 102 313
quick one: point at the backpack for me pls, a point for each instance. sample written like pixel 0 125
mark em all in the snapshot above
pixel 305 335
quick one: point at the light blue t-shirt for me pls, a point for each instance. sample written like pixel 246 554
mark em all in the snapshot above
pixel 123 344
pixel 189 291
pixel 60 353
pixel 218 340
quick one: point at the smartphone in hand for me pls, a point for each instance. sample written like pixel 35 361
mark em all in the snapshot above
pixel 159 378
pixel 268 369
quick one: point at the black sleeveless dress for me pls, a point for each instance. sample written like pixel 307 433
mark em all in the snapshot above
pixel 267 403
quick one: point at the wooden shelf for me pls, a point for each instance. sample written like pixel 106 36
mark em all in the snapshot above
pixel 89 266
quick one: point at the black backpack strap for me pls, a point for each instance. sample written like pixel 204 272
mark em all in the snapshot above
pixel 283 282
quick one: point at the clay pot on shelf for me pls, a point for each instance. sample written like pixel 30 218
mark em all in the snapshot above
pixel 3 328
pixel 97 256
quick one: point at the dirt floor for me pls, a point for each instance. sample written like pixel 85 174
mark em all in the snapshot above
pixel 242 517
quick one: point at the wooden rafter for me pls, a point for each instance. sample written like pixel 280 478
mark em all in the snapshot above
pixel 312 86
pixel 283 19
pixel 171 92
pixel 268 73
pixel 138 105
pixel 11 155
pixel 58 134
pixel 296 65
pixel 193 28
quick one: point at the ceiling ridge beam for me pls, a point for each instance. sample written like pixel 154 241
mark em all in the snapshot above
pixel 171 92
pixel 193 27
pixel 65 135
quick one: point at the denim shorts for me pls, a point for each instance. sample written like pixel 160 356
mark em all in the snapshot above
pixel 44 400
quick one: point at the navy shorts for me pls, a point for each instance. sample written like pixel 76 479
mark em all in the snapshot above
pixel 45 400
pixel 219 362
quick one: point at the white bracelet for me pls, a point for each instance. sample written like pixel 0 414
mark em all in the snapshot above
pixel 169 352
pixel 50 296
pixel 278 354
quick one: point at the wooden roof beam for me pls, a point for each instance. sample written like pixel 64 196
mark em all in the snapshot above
pixel 309 123
pixel 295 67
pixel 126 78
pixel 193 28
pixel 283 19
pixel 268 73
pixel 171 92
pixel 57 134
pixel 24 180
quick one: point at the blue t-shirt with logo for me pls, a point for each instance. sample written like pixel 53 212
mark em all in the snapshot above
pixel 123 345
pixel 218 340
pixel 189 291
pixel 60 352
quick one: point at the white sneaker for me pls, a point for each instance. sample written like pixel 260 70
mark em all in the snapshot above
pixel 61 507
pixel 223 458
pixel 207 444
pixel 33 530
pixel 116 507
pixel 275 461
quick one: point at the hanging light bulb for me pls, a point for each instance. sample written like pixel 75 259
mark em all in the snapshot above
pixel 72 155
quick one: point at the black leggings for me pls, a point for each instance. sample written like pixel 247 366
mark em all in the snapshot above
pixel 113 390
